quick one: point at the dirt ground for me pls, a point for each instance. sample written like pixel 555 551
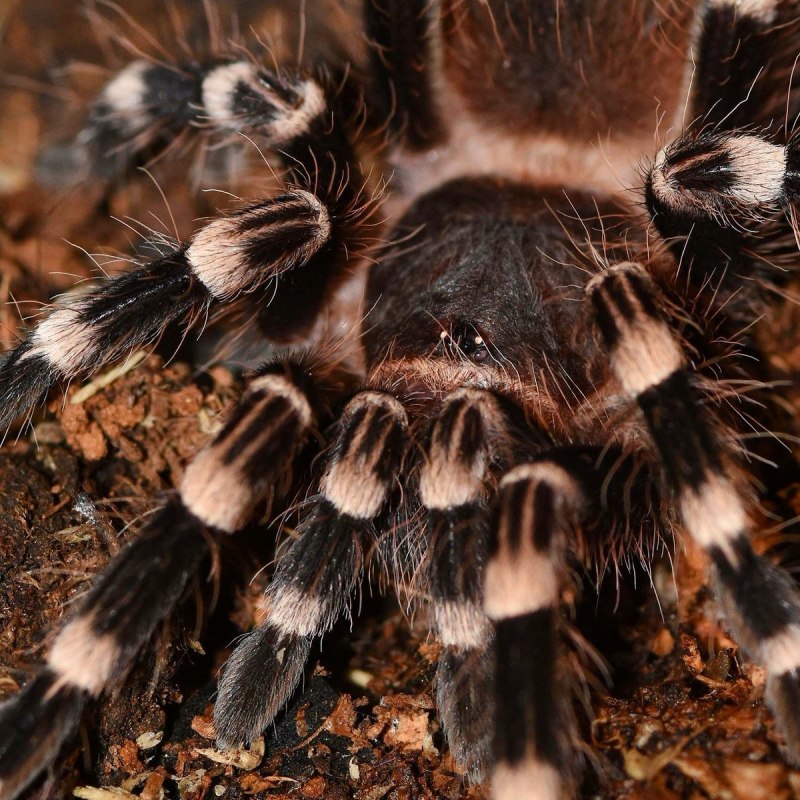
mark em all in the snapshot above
pixel 681 717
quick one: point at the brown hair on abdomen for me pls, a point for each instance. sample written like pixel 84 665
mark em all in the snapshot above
pixel 581 68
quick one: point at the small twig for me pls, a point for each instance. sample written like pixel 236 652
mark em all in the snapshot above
pixel 107 378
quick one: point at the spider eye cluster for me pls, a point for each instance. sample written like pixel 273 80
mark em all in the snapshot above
pixel 462 340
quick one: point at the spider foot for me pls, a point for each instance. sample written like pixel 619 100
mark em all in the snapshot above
pixel 761 603
pixel 464 680
pixel 256 684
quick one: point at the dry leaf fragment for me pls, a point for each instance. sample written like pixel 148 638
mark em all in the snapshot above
pixel 243 758
pixel 102 793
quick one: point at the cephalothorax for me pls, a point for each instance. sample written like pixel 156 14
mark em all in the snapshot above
pixel 533 389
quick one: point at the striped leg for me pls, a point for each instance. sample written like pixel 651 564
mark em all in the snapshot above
pixel 245 252
pixel 743 59
pixel 401 36
pixel 147 105
pixel 304 119
pixel 761 602
pixel 539 505
pixel 469 436
pixel 95 649
pixel 721 177
pixel 717 192
pixel 724 202
pixel 316 577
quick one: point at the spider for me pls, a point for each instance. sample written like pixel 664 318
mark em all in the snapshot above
pixel 537 389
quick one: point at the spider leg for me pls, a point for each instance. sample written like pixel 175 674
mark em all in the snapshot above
pixel 401 35
pixel 716 180
pixel 452 490
pixel 503 701
pixel 742 67
pixel 242 466
pixel 469 436
pixel 318 573
pixel 494 601
pixel 719 193
pixel 464 680
pixel 761 602
pixel 724 203
pixel 294 239
pixel 147 105
pixel 539 505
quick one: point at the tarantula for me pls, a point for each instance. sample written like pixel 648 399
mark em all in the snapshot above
pixel 536 387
